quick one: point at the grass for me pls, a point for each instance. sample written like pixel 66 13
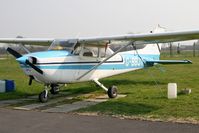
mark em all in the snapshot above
pixel 146 90
pixel 147 93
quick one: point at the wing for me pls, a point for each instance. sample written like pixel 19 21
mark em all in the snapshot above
pixel 147 38
pixel 152 62
pixel 28 41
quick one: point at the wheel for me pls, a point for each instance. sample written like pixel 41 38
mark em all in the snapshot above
pixel 43 96
pixel 54 89
pixel 112 92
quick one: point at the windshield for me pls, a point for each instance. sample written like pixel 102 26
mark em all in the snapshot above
pixel 67 45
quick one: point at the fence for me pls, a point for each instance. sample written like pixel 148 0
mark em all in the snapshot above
pixel 173 50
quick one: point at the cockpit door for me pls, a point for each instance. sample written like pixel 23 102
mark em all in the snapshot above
pixel 91 55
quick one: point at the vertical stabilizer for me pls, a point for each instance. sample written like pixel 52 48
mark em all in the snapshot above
pixel 153 48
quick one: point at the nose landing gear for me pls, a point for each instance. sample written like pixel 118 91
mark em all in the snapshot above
pixel 43 96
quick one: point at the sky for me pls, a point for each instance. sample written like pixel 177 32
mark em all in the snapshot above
pixel 75 18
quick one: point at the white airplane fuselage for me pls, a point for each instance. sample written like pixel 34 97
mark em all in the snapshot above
pixel 62 67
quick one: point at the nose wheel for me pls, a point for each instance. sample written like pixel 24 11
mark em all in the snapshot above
pixel 43 96
pixel 54 89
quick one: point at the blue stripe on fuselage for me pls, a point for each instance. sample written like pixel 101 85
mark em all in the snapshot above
pixel 87 67
pixel 129 61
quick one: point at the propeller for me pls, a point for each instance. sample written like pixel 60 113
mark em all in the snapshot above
pixel 31 61
pixel 34 67
pixel 14 53
pixel 31 64
pixel 34 61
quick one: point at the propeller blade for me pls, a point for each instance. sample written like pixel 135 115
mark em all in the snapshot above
pixel 34 67
pixel 30 80
pixel 14 53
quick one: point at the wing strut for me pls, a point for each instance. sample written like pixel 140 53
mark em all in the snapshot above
pixel 130 43
pixel 138 54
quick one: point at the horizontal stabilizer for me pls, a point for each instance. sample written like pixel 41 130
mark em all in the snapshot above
pixel 152 62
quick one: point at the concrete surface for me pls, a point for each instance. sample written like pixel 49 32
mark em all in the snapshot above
pixel 39 105
pixel 17 121
pixel 64 108
pixel 5 103
pixel 70 107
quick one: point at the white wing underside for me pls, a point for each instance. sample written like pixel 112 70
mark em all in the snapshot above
pixel 28 41
pixel 148 38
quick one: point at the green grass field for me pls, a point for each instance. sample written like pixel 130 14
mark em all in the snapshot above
pixel 146 90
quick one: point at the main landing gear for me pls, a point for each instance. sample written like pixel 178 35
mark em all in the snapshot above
pixel 111 91
pixel 43 96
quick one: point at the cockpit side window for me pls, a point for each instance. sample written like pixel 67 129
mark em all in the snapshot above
pixel 88 52
pixel 67 45
pixel 96 52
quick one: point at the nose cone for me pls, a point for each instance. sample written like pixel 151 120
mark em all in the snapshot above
pixel 22 59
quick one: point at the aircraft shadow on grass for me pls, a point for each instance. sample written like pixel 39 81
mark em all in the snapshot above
pixel 124 108
pixel 93 87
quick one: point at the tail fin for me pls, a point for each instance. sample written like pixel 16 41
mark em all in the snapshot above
pixel 153 48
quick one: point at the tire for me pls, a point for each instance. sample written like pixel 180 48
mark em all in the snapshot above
pixel 112 92
pixel 42 97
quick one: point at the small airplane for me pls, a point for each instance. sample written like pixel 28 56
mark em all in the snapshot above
pixel 91 58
